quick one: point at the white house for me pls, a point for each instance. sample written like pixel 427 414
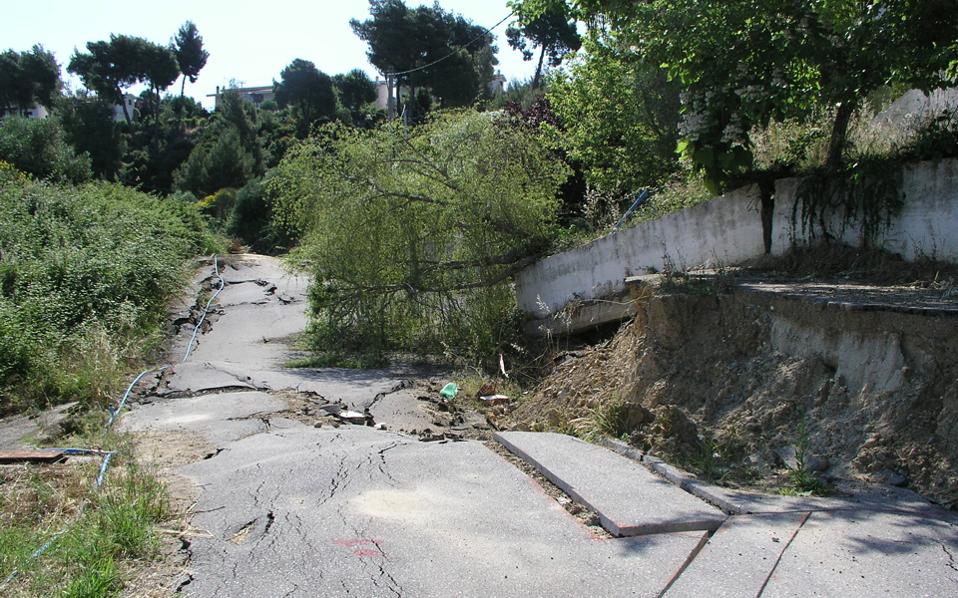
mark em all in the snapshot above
pixel 35 111
pixel 39 111
pixel 255 95
pixel 130 101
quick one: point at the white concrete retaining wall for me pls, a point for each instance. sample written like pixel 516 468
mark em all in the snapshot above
pixel 728 230
pixel 927 226
pixel 725 230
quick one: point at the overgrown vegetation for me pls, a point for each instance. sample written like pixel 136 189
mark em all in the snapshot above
pixel 84 275
pixel 745 93
pixel 104 531
pixel 40 147
pixel 413 234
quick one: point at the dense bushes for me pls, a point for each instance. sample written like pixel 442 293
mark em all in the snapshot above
pixel 250 217
pixel 84 273
pixel 39 147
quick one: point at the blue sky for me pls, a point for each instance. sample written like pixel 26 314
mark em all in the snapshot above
pixel 248 41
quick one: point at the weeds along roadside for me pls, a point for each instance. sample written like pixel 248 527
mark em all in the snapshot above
pixel 103 527
pixel 86 274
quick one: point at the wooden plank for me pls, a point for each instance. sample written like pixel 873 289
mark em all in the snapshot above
pixel 38 456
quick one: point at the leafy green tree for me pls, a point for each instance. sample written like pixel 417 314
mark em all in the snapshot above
pixel 451 56
pixel 250 217
pixel 229 151
pixel 27 78
pixel 187 45
pixel 413 234
pixel 221 165
pixel 38 146
pixel 743 63
pixel 246 119
pixel 89 127
pixel 618 118
pixel 158 68
pixel 110 67
pixel 355 90
pixel 552 30
pixel 156 146
pixel 309 90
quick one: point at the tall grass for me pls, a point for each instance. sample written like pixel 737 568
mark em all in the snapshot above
pixel 106 531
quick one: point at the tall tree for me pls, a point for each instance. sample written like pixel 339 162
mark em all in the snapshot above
pixel 28 78
pixel 308 90
pixel 158 68
pixel 110 67
pixel 450 55
pixel 742 63
pixel 88 124
pixel 187 45
pixel 355 89
pixel 552 30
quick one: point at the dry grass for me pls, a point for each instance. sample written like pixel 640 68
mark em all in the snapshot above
pixel 100 536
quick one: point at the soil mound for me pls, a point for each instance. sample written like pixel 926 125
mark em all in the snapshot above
pixel 738 385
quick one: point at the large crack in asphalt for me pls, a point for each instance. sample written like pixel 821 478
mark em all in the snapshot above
pixel 381 465
pixel 951 558
pixel 262 533
pixel 186 548
pixel 382 395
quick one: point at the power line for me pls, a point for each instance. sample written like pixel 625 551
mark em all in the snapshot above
pixel 454 52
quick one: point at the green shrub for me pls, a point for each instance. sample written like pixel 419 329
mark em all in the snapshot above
pixel 39 147
pixel 84 271
pixel 249 219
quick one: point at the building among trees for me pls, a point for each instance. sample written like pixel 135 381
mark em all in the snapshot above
pixel 255 95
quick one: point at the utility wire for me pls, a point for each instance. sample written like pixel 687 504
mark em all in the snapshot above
pixel 454 52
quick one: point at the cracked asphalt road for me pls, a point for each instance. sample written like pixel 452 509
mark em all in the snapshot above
pixel 288 509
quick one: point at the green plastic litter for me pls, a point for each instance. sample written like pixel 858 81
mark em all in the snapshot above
pixel 450 390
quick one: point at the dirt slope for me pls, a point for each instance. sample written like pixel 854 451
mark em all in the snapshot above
pixel 725 380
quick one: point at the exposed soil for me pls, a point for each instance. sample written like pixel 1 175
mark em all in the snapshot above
pixel 733 382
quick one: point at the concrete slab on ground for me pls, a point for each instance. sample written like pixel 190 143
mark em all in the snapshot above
pixel 868 553
pixel 247 334
pixel 627 497
pixel 354 511
pixel 196 377
pixel 355 388
pixel 738 559
pixel 218 418
pixel 402 411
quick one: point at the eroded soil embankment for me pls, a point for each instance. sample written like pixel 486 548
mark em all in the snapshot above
pixel 873 394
